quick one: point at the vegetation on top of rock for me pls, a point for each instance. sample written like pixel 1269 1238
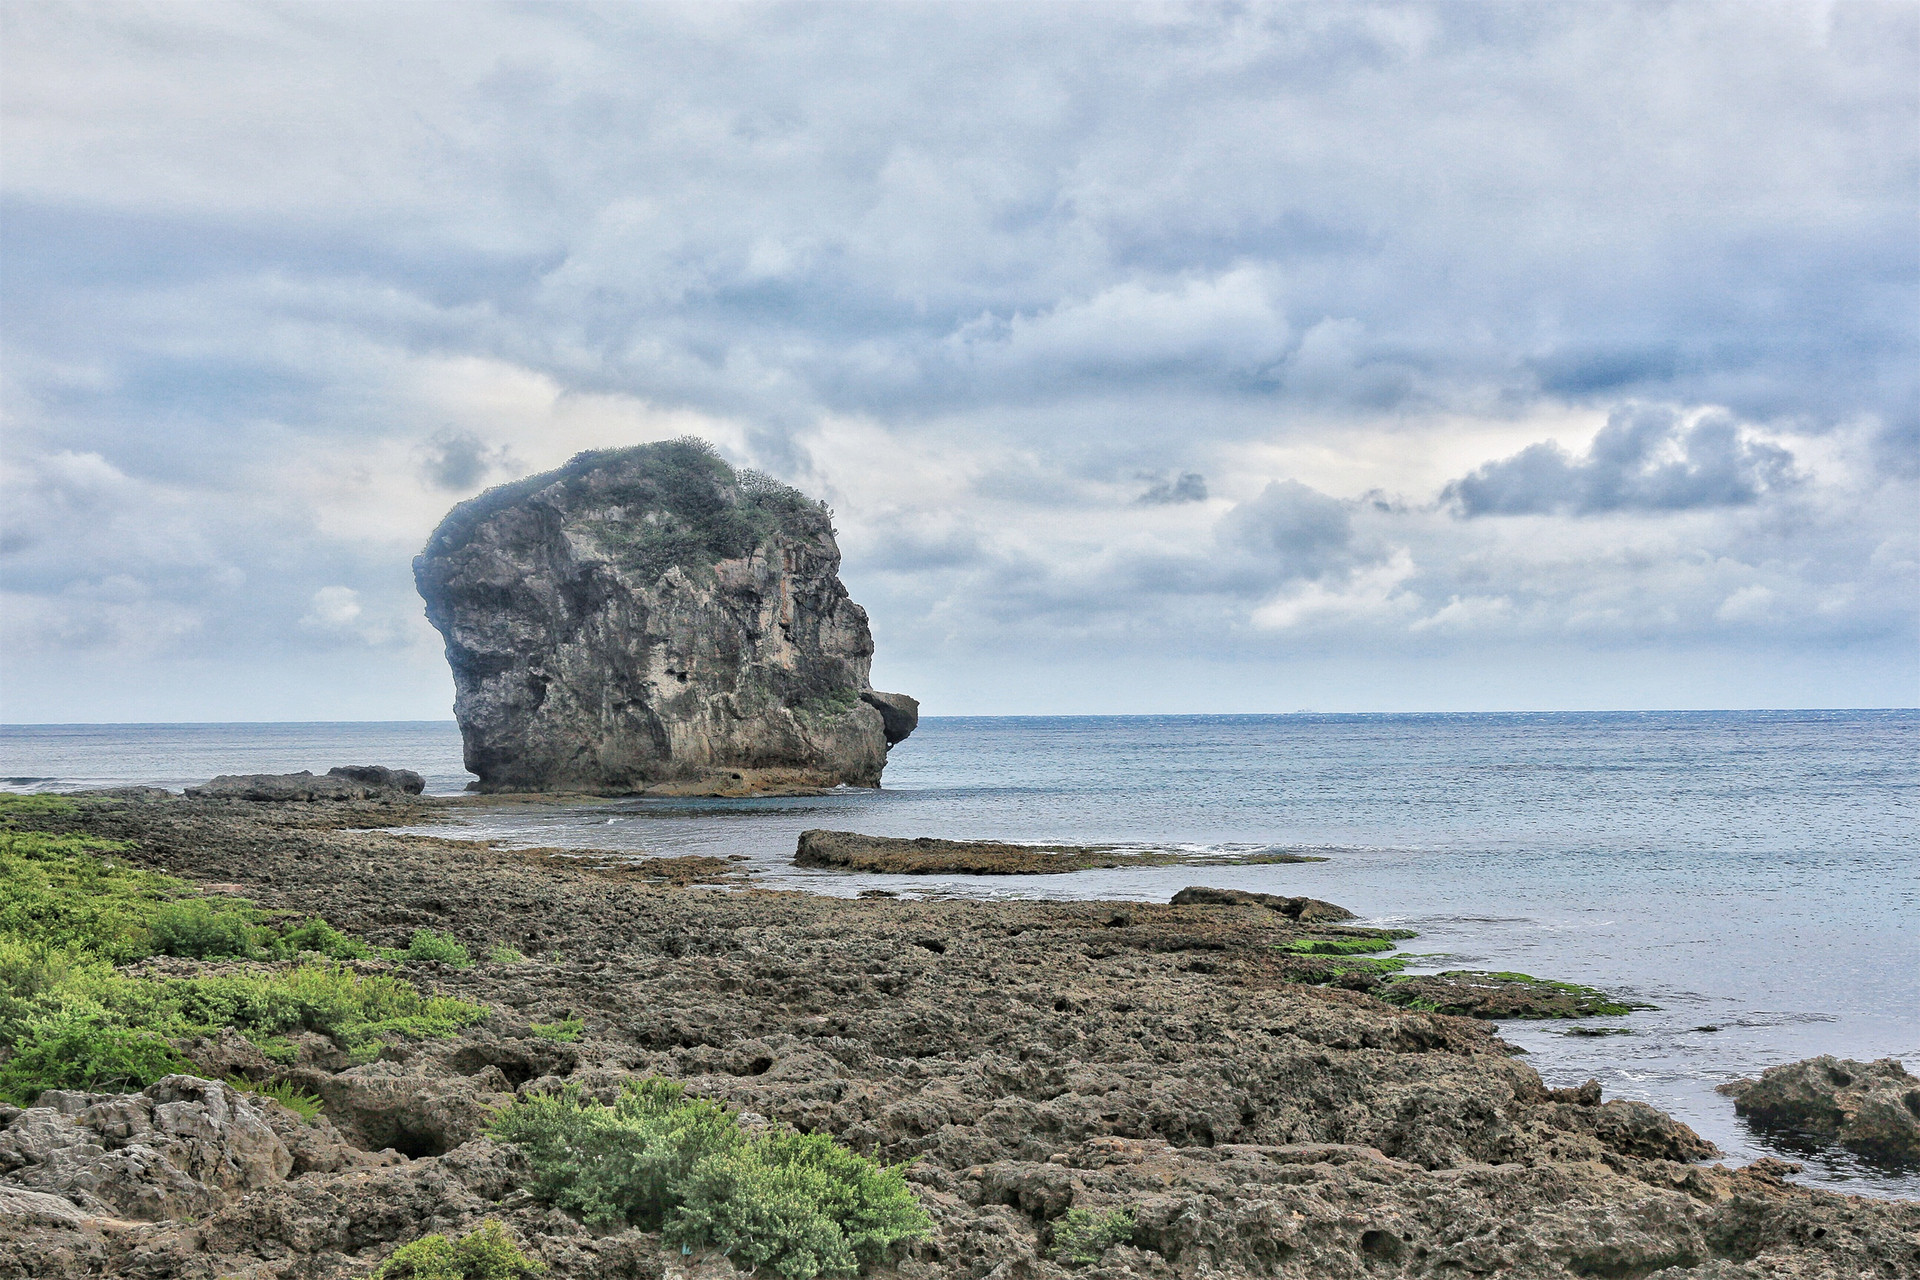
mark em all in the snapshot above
pixel 71 910
pixel 1081 1236
pixel 288 1094
pixel 677 503
pixel 486 1253
pixel 800 1204
pixel 1475 994
pixel 1336 946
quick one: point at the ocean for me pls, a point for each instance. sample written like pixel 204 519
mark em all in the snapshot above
pixel 1756 873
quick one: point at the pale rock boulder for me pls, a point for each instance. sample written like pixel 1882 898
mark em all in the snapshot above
pixel 181 1146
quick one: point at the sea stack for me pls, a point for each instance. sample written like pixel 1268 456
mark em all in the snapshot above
pixel 649 619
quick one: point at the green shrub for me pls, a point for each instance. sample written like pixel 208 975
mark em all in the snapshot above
pixel 1081 1236
pixel 504 954
pixel 800 1204
pixel 199 928
pixel 78 1050
pixel 565 1031
pixel 427 945
pixel 488 1253
pixel 284 1092
pixel 315 934
pixel 618 1163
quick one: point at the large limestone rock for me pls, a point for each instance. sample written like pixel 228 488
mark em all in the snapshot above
pixel 647 619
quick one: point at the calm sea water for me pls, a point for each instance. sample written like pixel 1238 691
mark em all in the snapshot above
pixel 1755 872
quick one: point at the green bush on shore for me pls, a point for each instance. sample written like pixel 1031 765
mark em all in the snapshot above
pixel 487 1253
pixel 801 1204
pixel 71 910
pixel 1082 1237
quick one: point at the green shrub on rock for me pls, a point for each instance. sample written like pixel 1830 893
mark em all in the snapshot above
pixel 487 1253
pixel 800 1204
pixel 429 945
pixel 1081 1236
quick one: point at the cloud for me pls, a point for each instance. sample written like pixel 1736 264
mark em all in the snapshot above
pixel 1297 531
pixel 1188 486
pixel 458 461
pixel 1647 458
pixel 281 290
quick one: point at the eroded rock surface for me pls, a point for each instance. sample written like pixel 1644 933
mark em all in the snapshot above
pixel 179 1147
pixel 1036 1058
pixel 648 619
pixel 1871 1108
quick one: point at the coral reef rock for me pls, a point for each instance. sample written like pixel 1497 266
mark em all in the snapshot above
pixel 648 619
pixel 1871 1108
pixel 343 782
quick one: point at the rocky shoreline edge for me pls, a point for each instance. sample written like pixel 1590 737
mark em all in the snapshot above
pixel 1046 1067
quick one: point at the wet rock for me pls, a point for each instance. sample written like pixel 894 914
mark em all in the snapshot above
pixel 381 778
pixel 1470 993
pixel 1871 1108
pixel 1304 910
pixel 927 855
pixel 649 619
pixel 344 782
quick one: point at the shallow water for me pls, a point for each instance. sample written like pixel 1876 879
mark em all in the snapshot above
pixel 1754 872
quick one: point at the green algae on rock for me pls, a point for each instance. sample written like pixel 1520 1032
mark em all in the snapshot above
pixel 1474 994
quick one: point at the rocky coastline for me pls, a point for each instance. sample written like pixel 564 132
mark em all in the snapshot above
pixel 1105 1089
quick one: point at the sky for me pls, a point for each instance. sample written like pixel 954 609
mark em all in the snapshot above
pixel 1153 358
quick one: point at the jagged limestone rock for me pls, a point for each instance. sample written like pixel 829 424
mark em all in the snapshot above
pixel 647 619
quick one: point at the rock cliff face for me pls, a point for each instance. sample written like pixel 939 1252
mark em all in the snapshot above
pixel 647 619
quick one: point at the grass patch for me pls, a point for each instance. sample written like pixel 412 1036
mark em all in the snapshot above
pixel 800 1204
pixel 565 1031
pixel 284 1092
pixel 71 910
pixel 1082 1237
pixel 30 807
pixel 487 1253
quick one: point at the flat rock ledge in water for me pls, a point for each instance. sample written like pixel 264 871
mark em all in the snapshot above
pixel 1870 1108
pixel 1030 1059
pixel 342 782
pixel 926 855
